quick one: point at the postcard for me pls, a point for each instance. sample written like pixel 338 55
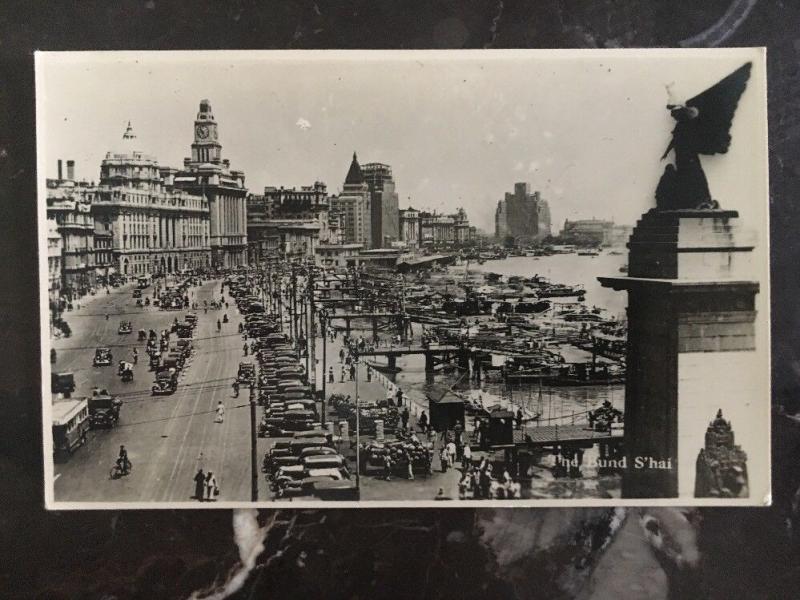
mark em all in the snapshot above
pixel 404 278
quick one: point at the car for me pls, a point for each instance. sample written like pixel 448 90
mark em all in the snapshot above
pixel 62 383
pixel 125 327
pixel 137 293
pixel 247 373
pixel 103 409
pixel 103 357
pixel 166 382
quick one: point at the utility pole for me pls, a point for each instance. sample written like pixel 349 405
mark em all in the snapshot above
pixel 358 429
pixel 312 329
pixel 324 364
pixel 253 439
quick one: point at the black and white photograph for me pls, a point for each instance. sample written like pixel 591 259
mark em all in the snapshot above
pixel 404 278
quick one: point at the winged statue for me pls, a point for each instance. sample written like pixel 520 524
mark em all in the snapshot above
pixel 703 126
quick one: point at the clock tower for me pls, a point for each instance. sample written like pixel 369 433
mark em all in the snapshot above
pixel 206 147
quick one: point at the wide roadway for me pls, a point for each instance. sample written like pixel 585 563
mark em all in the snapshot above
pixel 168 438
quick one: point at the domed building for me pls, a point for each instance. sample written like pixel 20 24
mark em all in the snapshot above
pixel 154 227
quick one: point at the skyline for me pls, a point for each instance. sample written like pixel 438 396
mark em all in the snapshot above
pixel 457 129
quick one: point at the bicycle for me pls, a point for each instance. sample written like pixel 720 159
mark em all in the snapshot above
pixel 117 471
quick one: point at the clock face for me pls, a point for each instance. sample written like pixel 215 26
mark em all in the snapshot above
pixel 202 131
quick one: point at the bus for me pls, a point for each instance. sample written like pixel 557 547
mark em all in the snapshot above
pixel 70 425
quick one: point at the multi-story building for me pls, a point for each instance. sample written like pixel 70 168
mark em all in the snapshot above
pixel 353 207
pixel 597 232
pixel 462 232
pixel 523 215
pixel 155 228
pixel 54 250
pixel 501 220
pixel 69 206
pixel 409 227
pixel 207 174
pixel 384 214
pixel 338 255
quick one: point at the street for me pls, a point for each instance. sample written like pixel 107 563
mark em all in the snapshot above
pixel 167 437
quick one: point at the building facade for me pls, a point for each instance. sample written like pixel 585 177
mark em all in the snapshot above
pixel 338 255
pixel 207 174
pixel 409 227
pixel 353 207
pixel 523 215
pixel 384 213
pixel 69 206
pixel 588 231
pixel 152 227
pixel 54 258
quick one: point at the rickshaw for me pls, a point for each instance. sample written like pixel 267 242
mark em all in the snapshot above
pixel 127 373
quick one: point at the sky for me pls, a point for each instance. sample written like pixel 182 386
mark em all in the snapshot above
pixel 459 129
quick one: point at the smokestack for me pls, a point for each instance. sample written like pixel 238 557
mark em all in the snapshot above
pixel 60 172
pixel 71 170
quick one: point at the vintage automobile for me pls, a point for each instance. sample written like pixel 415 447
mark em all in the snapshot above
pixel 191 318
pixel 155 360
pixel 125 327
pixel 185 346
pixel 246 374
pixel 103 357
pixel 184 329
pixel 62 383
pixel 301 482
pixel 137 293
pixel 104 409
pixel 335 489
pixel 166 382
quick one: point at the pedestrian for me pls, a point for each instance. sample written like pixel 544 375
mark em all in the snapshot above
pixel 341 354
pixel 389 397
pixel 387 467
pixel 211 487
pixel 423 422
pixel 343 373
pixel 331 378
pixel 369 373
pixel 235 388
pixel 519 418
pixel 443 459
pixel 348 360
pixel 404 417
pixel 410 461
pixel 199 481
pixel 466 457
pixel 440 495
pixel 451 453
pixel 135 356
pixel 221 409
pixel 399 397
pixel 352 372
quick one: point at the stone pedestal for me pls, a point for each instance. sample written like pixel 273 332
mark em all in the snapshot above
pixel 691 318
